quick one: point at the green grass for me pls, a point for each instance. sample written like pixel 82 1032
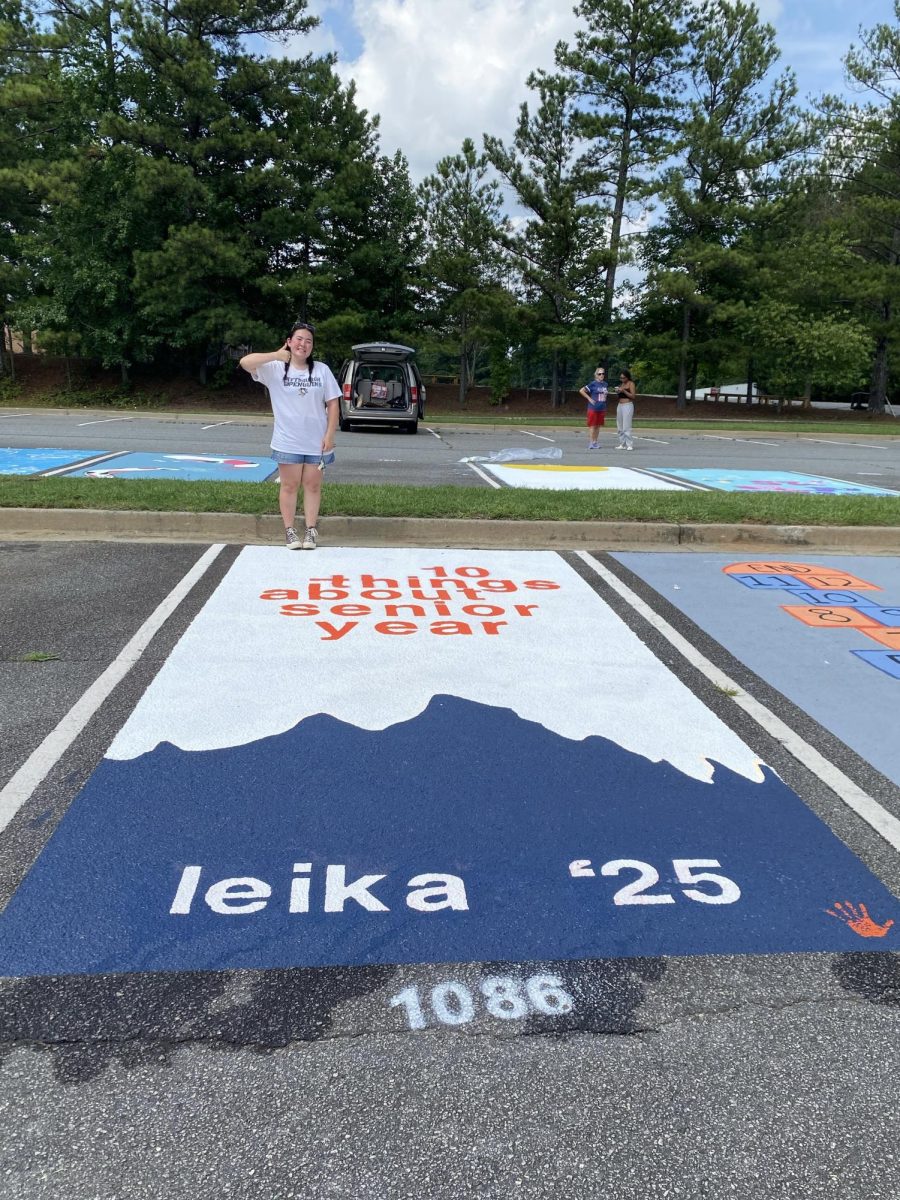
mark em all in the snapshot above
pixel 363 500
pixel 39 656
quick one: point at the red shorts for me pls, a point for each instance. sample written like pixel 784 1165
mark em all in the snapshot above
pixel 595 418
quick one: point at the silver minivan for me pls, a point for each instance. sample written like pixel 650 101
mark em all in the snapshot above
pixel 381 385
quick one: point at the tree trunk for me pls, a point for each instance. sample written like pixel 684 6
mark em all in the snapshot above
pixel 124 373
pixel 878 394
pixel 12 357
pixel 751 367
pixel 463 364
pixel 554 381
pixel 681 402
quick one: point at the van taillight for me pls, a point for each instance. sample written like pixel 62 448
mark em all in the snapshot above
pixel 414 392
pixel 346 391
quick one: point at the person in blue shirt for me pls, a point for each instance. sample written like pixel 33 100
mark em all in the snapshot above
pixel 595 394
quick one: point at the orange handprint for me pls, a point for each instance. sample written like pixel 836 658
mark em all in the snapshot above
pixel 857 917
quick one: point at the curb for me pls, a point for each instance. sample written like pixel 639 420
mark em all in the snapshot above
pixel 38 524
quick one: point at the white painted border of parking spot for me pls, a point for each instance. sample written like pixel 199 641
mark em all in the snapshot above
pixel 859 801
pixel 493 482
pixel 537 435
pixel 42 760
pixel 105 421
pixel 91 461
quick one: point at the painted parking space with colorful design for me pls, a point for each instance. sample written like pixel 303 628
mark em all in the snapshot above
pixel 558 477
pixel 16 461
pixel 180 466
pixel 101 464
pixel 377 756
pixel 825 634
pixel 760 480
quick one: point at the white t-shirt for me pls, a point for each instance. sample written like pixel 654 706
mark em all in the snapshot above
pixel 298 405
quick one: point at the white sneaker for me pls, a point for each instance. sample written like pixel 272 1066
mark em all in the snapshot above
pixel 310 539
pixel 629 447
pixel 292 538
pixel 620 447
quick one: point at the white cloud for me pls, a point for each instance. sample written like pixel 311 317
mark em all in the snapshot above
pixel 438 71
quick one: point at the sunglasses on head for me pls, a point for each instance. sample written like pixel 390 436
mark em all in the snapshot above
pixel 303 325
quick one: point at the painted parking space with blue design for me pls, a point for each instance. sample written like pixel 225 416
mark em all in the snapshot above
pixel 826 634
pixel 16 461
pixel 483 792
pixel 127 465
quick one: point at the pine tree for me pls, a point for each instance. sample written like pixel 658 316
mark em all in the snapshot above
pixel 462 218
pixel 557 251
pixel 736 135
pixel 626 65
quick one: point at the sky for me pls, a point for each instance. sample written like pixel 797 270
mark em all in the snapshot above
pixel 437 71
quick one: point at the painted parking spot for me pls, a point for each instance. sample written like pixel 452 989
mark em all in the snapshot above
pixel 559 478
pixel 823 632
pixel 795 482
pixel 394 756
pixel 181 466
pixel 19 461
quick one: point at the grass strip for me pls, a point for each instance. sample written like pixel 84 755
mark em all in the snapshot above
pixel 506 504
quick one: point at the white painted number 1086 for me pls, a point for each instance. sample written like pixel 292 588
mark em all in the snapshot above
pixel 718 889
pixel 502 996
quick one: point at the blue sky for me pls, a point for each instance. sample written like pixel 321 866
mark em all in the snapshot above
pixel 440 70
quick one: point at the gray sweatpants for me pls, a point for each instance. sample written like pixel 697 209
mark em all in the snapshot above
pixel 624 417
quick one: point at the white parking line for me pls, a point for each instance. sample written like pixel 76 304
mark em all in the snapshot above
pixel 537 435
pixel 105 421
pixel 720 437
pixel 42 760
pixel 433 434
pixel 486 478
pixel 217 424
pixel 834 442
pixel 852 795
pixel 753 442
pixel 639 438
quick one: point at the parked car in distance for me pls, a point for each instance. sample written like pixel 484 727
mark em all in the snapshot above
pixel 381 385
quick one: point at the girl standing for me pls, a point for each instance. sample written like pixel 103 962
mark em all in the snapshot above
pixel 625 411
pixel 305 402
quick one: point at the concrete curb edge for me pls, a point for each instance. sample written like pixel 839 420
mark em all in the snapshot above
pixel 241 529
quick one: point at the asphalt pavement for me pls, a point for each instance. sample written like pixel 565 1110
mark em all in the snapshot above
pixel 433 456
pixel 736 1045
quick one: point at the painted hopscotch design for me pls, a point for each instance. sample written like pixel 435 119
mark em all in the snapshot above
pixel 829 598
pixel 406 756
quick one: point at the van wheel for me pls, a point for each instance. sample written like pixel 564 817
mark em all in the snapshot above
pixel 413 427
pixel 344 425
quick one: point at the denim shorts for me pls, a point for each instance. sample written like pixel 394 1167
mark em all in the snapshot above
pixel 282 456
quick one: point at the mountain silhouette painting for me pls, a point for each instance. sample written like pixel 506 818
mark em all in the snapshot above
pixel 445 838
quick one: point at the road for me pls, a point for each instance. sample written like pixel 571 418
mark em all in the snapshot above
pixel 383 873
pixel 433 457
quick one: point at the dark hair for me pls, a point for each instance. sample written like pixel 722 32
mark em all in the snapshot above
pixel 309 362
pixel 627 375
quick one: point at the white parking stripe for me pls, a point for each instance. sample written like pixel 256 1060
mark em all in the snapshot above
pixel 104 421
pixel 41 762
pixel 217 424
pixel 834 442
pixel 486 478
pixel 752 442
pixel 639 438
pixel 433 434
pixel 538 435
pixel 853 796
